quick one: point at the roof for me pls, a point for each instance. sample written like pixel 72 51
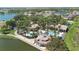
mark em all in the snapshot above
pixel 57 26
pixel 33 26
pixel 52 26
pixel 43 39
pixel 63 27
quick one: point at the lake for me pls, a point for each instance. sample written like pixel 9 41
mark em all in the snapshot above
pixel 12 44
pixel 7 16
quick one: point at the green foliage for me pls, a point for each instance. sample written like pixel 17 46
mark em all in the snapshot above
pixel 76 18
pixel 69 39
pixel 57 45
pixel 11 24
pixel 5 31
pixel 3 36
pixel 22 22
pixel 50 20
pixel 63 21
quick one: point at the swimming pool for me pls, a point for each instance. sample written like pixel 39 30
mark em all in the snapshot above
pixel 51 33
pixel 7 16
pixel 58 34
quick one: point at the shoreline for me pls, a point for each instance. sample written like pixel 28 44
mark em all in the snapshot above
pixel 28 41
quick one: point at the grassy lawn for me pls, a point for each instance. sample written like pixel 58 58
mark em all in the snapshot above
pixel 69 39
pixel 4 36
pixel 9 43
pixel 9 31
pixel 12 32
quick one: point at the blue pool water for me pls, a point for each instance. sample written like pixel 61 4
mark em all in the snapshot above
pixel 51 33
pixel 7 16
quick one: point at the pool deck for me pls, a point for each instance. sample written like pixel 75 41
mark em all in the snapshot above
pixel 28 41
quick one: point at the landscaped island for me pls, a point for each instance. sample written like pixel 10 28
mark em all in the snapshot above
pixel 46 29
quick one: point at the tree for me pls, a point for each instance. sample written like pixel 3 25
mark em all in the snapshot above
pixel 56 44
pixel 42 22
pixel 11 24
pixel 76 18
pixel 62 20
pixel 22 22
pixel 34 18
pixel 5 30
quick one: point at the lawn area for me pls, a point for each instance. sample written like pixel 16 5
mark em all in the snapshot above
pixel 69 39
pixel 12 32
pixel 7 31
pixel 9 43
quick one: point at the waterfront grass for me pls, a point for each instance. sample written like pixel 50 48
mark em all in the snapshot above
pixel 4 36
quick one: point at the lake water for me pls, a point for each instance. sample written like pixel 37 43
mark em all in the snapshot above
pixel 7 16
pixel 15 45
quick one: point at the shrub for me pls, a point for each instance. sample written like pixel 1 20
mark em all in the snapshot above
pixel 5 31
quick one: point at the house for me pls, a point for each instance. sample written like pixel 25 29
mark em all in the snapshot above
pixel 50 26
pixel 38 13
pixel 63 28
pixel 47 13
pixel 73 14
pixel 25 13
pixel 58 26
pixel 29 13
pixel 43 40
pixel 34 26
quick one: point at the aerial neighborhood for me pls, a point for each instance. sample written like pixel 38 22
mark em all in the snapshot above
pixel 40 29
